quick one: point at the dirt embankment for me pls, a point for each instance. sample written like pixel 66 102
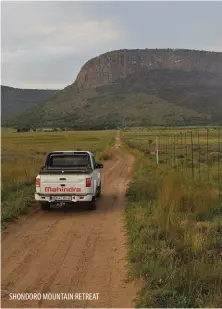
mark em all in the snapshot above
pixel 73 251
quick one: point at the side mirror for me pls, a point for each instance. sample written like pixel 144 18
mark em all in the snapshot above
pixel 98 165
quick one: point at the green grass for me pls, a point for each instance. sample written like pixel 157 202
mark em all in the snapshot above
pixel 23 154
pixel 174 237
pixel 16 201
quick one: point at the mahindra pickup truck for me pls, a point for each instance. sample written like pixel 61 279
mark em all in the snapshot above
pixel 69 177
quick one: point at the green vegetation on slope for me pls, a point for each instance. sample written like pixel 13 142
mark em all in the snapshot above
pixel 146 87
pixel 90 109
pixel 14 101
pixel 198 91
pixel 174 237
pixel 155 97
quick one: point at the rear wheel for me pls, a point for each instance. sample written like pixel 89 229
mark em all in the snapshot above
pixel 92 205
pixel 98 194
pixel 45 206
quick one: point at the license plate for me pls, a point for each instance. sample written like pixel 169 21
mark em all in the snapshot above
pixel 62 198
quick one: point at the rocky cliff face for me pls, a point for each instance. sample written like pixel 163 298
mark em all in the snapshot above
pixel 115 65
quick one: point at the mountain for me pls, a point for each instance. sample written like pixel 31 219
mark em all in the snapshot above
pixel 15 101
pixel 115 65
pixel 136 88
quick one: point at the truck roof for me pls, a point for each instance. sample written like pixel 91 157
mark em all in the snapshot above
pixel 75 151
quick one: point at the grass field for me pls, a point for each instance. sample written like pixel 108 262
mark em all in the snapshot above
pixel 173 220
pixel 174 231
pixel 23 154
pixel 197 152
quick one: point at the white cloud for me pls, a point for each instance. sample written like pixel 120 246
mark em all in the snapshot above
pixel 215 48
pixel 65 33
pixel 81 35
pixel 36 45
pixel 64 37
pixel 34 30
pixel 47 42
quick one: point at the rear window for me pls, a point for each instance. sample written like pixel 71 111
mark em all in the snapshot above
pixel 69 161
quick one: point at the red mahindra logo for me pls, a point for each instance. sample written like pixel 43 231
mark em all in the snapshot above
pixel 72 189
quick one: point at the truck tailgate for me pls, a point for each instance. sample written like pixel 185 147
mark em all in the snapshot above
pixel 63 184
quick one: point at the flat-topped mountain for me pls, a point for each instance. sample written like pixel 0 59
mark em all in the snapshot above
pixel 136 88
pixel 112 66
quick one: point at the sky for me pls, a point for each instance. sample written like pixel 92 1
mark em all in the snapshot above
pixel 45 44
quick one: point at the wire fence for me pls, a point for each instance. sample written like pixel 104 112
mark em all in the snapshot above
pixel 195 152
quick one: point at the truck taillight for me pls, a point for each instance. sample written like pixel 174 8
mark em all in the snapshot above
pixel 88 182
pixel 37 182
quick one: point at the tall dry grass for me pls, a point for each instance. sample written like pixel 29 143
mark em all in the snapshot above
pixel 23 154
pixel 174 239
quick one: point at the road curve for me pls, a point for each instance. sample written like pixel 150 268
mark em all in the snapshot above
pixel 72 251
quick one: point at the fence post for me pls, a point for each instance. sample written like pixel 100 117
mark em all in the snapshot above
pixel 174 150
pixel 186 158
pixel 198 141
pixel 157 151
pixel 208 176
pixel 181 150
pixel 191 135
pixel 218 168
pixel 171 151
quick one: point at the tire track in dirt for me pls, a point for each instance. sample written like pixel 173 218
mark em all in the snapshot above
pixel 73 251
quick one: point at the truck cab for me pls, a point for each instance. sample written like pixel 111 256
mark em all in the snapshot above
pixel 69 177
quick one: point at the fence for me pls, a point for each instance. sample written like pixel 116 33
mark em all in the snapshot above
pixel 195 152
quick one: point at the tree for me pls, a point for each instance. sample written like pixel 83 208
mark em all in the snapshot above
pixel 24 129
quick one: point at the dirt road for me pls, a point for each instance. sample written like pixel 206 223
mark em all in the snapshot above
pixel 72 251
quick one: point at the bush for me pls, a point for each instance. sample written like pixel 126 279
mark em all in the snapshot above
pixel 23 129
pixel 107 154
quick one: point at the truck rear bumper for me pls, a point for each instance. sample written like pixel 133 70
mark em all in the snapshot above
pixel 72 198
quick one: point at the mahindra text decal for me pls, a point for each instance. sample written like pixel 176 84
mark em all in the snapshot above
pixel 72 189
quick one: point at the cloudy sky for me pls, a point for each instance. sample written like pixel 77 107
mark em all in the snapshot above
pixel 45 44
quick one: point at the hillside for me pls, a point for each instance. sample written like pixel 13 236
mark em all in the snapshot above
pixel 15 101
pixel 136 88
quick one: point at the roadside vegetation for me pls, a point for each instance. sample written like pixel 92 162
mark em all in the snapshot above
pixel 194 151
pixel 23 154
pixel 174 231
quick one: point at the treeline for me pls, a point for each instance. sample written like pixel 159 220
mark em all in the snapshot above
pixel 28 129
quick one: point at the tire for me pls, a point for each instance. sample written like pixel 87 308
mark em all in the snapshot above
pixel 45 206
pixel 99 189
pixel 92 205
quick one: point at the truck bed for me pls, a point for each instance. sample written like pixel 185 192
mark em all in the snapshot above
pixel 63 171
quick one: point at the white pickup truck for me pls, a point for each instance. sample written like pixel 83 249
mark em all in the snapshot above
pixel 68 177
